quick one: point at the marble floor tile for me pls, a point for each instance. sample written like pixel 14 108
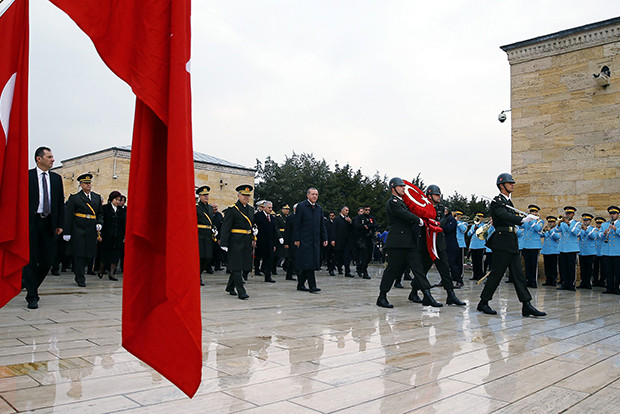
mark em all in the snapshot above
pixel 293 352
pixel 605 401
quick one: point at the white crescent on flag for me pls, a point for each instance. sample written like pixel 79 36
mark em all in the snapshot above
pixel 4 5
pixel 6 102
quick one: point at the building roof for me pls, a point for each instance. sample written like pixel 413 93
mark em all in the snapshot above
pixel 198 157
pixel 562 33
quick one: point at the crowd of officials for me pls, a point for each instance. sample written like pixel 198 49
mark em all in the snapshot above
pixel 86 235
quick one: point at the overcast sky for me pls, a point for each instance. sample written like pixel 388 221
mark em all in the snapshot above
pixel 395 87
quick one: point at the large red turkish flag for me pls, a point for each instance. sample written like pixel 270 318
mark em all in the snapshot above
pixel 13 146
pixel 422 207
pixel 147 44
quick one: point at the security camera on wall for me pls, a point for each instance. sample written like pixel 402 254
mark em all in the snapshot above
pixel 602 78
pixel 501 117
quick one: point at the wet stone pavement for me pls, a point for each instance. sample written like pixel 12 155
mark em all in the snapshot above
pixel 285 351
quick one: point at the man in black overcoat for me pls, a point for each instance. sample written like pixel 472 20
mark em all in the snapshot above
pixel 238 239
pixel 503 242
pixel 46 218
pixel 309 234
pixel 401 246
pixel 83 220
pixel 204 213
pixel 289 247
pixel 364 227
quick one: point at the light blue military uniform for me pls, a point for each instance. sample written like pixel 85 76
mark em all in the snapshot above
pixel 520 233
pixel 532 233
pixel 461 229
pixel 587 241
pixel 551 241
pixel 475 242
pixel 610 242
pixel 570 236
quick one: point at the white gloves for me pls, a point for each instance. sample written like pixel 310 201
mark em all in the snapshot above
pixel 254 231
pixel 281 240
pixel 529 217
pixel 66 237
pixel 98 226
pixel 421 223
pixel 224 248
pixel 215 232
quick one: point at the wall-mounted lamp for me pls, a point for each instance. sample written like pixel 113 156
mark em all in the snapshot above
pixel 502 115
pixel 602 78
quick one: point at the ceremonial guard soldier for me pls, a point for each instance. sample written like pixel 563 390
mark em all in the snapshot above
pixel 441 262
pixel 598 279
pixel 550 251
pixel 569 247
pixel 206 235
pixel 532 243
pixel 83 221
pixel 503 242
pixel 610 250
pixel 587 250
pixel 238 240
pixel 476 247
pixel 401 246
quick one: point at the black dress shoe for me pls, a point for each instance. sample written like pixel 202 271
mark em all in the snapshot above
pixel 331 273
pixel 414 297
pixel 340 272
pixel 529 310
pixel 584 287
pixel 314 290
pixel 569 288
pixel 55 273
pixel 485 308
pixel 366 276
pixel 90 272
pixel 383 302
pixel 112 278
pixel 291 278
pixel 548 284
pixel 270 280
pixel 429 300
pixel 349 275
pixel 99 275
pixel 33 304
pixel 398 285
pixel 453 300
pixel 81 284
pixel 217 269
pixel 243 296
pixel 209 271
pixel 531 285
pixel 202 283
pixel 303 288
pixel 407 277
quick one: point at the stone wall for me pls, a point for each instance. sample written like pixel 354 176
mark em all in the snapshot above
pixel 104 165
pixel 566 128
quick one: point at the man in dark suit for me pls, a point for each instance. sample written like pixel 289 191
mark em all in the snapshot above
pixel 309 233
pixel 46 216
pixel 83 221
pixel 503 242
pixel 289 247
pixel 401 246
pixel 266 239
pixel 329 250
pixel 204 214
pixel 341 241
pixel 218 219
pixel 364 227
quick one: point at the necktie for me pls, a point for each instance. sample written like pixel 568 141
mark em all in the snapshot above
pixel 268 218
pixel 46 197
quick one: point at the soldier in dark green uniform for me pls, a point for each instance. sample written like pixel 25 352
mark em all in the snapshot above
pixel 206 236
pixel 238 240
pixel 83 219
pixel 401 246
pixel 503 242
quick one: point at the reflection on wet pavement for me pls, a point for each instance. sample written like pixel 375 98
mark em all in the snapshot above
pixel 285 351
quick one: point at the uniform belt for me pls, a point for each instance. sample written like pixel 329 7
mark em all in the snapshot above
pixel 87 216
pixel 241 231
pixel 510 229
pixel 204 226
pixel 282 229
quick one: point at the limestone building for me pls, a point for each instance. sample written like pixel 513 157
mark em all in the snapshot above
pixel 110 169
pixel 565 111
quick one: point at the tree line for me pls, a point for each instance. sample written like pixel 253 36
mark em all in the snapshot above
pixel 286 183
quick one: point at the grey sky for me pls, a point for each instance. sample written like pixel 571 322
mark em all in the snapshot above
pixel 398 87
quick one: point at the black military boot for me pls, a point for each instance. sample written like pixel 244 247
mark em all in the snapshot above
pixel 483 306
pixel 452 299
pixel 529 310
pixel 429 300
pixel 383 302
pixel 414 297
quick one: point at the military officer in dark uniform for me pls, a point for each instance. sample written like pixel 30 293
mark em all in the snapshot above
pixel 83 220
pixel 503 242
pixel 238 240
pixel 441 262
pixel 401 246
pixel 206 235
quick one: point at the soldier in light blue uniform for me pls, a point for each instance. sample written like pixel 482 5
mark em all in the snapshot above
pixel 476 247
pixel 461 229
pixel 598 279
pixel 610 235
pixel 488 260
pixel 550 251
pixel 569 247
pixel 587 250
pixel 532 243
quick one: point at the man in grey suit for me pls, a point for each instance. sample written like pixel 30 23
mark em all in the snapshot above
pixel 82 224
pixel 46 217
pixel 401 246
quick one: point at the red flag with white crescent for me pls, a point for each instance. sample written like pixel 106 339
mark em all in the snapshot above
pixel 422 207
pixel 14 244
